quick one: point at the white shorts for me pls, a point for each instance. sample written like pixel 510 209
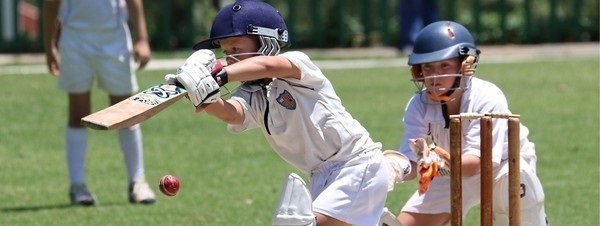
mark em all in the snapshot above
pixel 437 198
pixel 532 196
pixel 104 55
pixel 354 191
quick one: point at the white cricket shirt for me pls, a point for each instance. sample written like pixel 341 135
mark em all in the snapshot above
pixel 422 120
pixel 306 123
pixel 93 14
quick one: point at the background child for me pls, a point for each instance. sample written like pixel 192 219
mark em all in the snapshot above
pixel 89 40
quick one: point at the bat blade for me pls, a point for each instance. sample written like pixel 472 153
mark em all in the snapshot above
pixel 135 109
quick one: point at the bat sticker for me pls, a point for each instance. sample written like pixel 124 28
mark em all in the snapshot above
pixel 145 100
pixel 135 109
pixel 157 94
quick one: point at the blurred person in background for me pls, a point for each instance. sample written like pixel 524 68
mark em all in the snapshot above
pixel 89 40
pixel 412 16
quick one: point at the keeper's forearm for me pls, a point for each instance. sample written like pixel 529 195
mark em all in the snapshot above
pixel 414 170
pixel 470 165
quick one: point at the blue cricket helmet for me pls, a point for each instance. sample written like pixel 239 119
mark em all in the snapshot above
pixel 442 40
pixel 247 17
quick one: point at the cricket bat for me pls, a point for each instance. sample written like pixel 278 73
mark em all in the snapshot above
pixel 135 109
pixel 139 107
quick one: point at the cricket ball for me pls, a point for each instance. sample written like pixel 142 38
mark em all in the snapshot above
pixel 169 185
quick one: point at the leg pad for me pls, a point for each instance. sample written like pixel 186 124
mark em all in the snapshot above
pixel 295 204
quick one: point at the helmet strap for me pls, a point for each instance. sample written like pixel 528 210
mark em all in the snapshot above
pixel 445 114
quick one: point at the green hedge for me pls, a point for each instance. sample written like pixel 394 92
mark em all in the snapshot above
pixel 178 24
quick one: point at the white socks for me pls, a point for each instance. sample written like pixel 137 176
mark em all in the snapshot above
pixel 76 145
pixel 130 140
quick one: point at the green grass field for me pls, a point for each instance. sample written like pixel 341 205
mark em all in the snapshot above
pixel 235 179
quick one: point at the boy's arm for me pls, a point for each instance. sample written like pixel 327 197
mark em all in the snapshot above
pixel 51 33
pixel 197 75
pixel 260 67
pixel 229 111
pixel 141 47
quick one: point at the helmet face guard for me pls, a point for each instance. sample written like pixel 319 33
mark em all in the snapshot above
pixel 440 41
pixel 249 17
pixel 440 95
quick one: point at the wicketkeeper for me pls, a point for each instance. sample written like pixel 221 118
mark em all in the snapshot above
pixel 288 98
pixel 443 66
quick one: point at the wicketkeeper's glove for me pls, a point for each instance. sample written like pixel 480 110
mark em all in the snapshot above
pixel 432 161
pixel 196 76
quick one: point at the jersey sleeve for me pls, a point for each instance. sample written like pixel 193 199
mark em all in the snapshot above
pixel 488 99
pixel 251 110
pixel 310 74
pixel 414 127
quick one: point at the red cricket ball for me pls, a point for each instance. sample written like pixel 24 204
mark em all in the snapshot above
pixel 169 185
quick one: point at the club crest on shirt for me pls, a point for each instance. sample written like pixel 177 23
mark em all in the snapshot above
pixel 286 100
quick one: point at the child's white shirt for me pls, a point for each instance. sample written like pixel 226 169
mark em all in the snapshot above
pixel 423 120
pixel 307 125
pixel 93 14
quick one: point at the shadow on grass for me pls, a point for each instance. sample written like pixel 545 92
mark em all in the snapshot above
pixel 51 207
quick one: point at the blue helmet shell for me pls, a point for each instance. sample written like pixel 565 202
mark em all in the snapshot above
pixel 244 17
pixel 442 40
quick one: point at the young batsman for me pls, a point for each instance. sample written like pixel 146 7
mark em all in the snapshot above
pixel 443 68
pixel 288 98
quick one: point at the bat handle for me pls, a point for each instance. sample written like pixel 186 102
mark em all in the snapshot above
pixel 179 85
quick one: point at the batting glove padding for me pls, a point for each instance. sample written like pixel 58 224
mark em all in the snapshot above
pixel 200 61
pixel 171 79
pixel 196 77
pixel 200 90
pixel 398 167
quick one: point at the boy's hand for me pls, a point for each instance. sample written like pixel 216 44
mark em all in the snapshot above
pixel 196 76
pixel 433 161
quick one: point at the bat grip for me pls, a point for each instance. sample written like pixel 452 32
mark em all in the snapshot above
pixel 220 74
pixel 221 77
pixel 179 85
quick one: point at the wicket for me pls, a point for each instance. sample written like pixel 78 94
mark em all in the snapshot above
pixel 486 167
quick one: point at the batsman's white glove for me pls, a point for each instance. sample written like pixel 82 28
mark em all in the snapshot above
pixel 398 167
pixel 195 75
